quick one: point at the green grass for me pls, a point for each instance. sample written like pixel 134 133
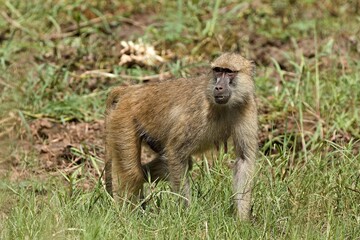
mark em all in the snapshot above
pixel 315 199
pixel 308 181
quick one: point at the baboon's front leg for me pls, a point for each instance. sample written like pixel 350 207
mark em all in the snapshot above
pixel 178 175
pixel 245 142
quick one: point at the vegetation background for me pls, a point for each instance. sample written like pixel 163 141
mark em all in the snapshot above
pixel 59 58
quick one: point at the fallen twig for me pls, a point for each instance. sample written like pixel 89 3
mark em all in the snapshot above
pixel 103 73
pixel 2 82
pixel 7 131
pixel 14 23
pixel 4 120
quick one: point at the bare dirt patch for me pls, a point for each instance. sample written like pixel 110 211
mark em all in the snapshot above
pixel 54 141
pixel 46 147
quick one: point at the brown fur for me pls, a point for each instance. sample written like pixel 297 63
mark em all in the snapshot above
pixel 179 118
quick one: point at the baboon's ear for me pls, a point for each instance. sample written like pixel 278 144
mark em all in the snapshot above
pixel 249 68
pixel 252 68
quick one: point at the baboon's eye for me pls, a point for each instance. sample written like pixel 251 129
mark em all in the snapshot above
pixel 227 70
pixel 222 70
pixel 219 72
pixel 231 75
pixel 217 69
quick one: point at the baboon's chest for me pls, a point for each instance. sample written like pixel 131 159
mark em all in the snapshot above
pixel 211 135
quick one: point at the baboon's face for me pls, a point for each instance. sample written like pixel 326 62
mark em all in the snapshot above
pixel 224 81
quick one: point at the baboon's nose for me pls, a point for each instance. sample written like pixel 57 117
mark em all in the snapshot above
pixel 218 88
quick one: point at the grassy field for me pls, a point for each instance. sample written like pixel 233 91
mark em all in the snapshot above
pixel 58 60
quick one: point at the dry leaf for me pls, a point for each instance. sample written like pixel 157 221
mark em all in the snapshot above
pixel 139 53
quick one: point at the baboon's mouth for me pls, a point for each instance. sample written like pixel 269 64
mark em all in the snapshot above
pixel 221 99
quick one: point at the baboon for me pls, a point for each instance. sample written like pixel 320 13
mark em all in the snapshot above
pixel 179 118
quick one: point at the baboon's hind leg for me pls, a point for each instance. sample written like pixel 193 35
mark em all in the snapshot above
pixel 127 173
pixel 108 178
pixel 156 170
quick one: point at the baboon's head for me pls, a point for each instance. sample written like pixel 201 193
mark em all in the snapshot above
pixel 232 79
